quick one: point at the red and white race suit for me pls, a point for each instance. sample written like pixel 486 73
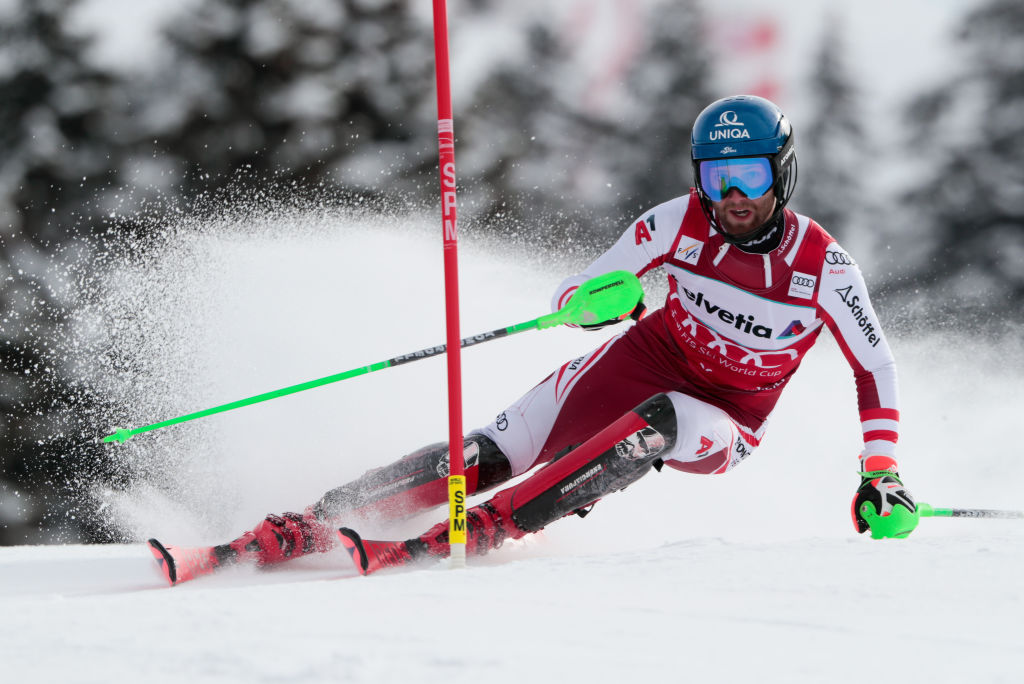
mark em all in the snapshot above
pixel 733 330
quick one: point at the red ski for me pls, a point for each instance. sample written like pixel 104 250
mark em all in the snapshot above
pixel 370 556
pixel 182 564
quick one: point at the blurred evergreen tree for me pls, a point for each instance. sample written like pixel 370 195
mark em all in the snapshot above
pixel 667 87
pixel 297 93
pixel 57 175
pixel 536 152
pixel 968 140
pixel 54 126
pixel 832 146
pixel 303 91
pixel 518 139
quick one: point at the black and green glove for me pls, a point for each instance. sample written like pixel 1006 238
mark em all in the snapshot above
pixel 882 503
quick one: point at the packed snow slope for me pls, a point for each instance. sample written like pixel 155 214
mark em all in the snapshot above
pixel 755 575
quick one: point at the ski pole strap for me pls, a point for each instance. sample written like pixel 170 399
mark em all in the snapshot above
pixel 928 511
pixel 599 299
pixel 873 474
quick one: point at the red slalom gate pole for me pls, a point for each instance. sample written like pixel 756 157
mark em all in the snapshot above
pixel 446 158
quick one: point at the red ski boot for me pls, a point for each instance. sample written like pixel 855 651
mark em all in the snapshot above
pixel 486 529
pixel 277 538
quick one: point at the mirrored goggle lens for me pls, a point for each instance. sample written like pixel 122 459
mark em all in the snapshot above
pixel 751 176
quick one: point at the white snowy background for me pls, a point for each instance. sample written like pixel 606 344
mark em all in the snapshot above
pixel 751 576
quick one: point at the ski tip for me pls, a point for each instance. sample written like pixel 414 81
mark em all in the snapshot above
pixel 164 561
pixel 353 543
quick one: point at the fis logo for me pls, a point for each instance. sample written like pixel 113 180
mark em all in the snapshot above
pixel 690 254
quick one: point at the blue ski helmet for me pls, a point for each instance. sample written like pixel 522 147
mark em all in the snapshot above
pixel 738 128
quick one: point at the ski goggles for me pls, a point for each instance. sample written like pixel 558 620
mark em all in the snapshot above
pixel 750 175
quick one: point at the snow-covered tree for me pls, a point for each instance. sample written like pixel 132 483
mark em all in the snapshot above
pixel 832 147
pixel 54 128
pixel 293 90
pixel 517 138
pixel 57 171
pixel 667 87
pixel 534 149
pixel 968 198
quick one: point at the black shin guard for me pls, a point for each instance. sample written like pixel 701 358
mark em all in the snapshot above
pixel 609 461
pixel 416 482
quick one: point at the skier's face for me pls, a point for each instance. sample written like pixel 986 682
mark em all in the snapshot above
pixel 738 214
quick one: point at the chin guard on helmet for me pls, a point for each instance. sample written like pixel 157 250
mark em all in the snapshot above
pixel 744 126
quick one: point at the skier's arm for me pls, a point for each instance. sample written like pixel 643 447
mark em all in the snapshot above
pixel 642 246
pixel 882 504
pixel 844 304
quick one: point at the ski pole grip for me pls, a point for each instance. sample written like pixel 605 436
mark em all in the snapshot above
pixel 603 298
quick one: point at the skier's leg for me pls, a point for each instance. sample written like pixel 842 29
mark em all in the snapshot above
pixel 609 461
pixel 415 483
pixel 669 428
pixel 586 394
pixel 407 486
pixel 710 441
pixel 563 410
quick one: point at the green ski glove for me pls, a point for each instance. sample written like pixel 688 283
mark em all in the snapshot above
pixel 882 503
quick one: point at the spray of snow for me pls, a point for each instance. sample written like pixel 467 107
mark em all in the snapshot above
pixel 232 308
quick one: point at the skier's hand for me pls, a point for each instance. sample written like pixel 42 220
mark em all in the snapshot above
pixel 636 314
pixel 882 503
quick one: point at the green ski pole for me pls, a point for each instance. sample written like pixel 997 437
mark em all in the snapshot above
pixel 610 296
pixel 928 511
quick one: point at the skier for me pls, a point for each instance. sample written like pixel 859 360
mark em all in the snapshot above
pixel 689 386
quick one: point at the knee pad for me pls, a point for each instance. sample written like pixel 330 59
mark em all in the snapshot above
pixel 493 466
